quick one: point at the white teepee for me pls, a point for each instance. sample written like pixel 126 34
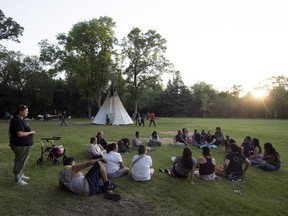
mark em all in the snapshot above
pixel 115 110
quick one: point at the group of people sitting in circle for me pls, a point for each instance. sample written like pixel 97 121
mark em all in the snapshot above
pixel 107 162
pixel 199 139
pixel 249 153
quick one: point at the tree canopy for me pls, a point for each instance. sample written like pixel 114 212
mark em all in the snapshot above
pixel 144 54
pixel 9 29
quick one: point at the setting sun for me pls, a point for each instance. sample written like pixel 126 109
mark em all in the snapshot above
pixel 259 93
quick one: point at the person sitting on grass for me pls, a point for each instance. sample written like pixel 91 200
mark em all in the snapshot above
pixel 271 158
pixel 136 142
pixel 183 166
pixel 255 157
pixel 211 140
pixel 203 136
pixel 94 182
pixel 196 138
pixel 186 136
pixel 154 140
pixel 94 149
pixel 228 141
pixel 101 140
pixel 206 165
pixel 114 164
pixel 141 165
pixel 179 140
pixel 233 164
pixel 219 136
pixel 247 146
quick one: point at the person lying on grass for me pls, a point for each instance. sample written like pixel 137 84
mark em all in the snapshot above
pixel 94 182
pixel 183 166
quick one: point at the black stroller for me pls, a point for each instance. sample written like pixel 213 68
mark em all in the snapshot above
pixel 54 151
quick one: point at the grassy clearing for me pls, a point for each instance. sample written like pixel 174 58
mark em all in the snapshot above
pixel 264 193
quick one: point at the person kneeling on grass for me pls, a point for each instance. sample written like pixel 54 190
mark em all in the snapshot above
pixel 94 182
pixel 183 166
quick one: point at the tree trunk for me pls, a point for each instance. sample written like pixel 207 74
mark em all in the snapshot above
pixel 99 100
pixel 276 114
pixel 89 110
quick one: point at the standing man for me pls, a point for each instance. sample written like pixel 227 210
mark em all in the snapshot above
pixel 21 141
pixel 64 117
pixel 152 119
pixel 142 120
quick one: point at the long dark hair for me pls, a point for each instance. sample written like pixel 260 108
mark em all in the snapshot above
pixel 268 149
pixel 256 143
pixel 154 135
pixel 187 158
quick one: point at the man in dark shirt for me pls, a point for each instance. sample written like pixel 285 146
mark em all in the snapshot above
pixel 247 146
pixel 211 139
pixel 101 140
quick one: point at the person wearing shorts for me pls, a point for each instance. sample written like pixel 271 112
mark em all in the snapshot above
pixel 114 167
pixel 94 182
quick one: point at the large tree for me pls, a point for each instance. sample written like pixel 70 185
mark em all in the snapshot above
pixel 9 29
pixel 279 96
pixel 176 99
pixel 86 54
pixel 144 54
pixel 204 95
pixel 22 80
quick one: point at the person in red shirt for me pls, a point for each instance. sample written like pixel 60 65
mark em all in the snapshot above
pixel 152 119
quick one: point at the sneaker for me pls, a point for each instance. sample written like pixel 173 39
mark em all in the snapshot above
pixel 24 177
pixel 161 170
pixel 21 182
pixel 112 186
pixel 112 196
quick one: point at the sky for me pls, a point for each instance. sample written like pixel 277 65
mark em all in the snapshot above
pixel 220 42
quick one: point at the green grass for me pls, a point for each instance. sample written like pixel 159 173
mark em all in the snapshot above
pixel 265 193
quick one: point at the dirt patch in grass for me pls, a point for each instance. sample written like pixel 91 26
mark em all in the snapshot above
pixel 99 206
pixel 166 140
pixel 168 132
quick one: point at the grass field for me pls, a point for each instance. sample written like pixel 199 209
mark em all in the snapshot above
pixel 264 193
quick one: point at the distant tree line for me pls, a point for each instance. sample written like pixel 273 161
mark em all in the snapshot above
pixel 74 75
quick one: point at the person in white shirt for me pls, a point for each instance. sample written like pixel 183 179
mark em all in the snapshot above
pixel 95 150
pixel 114 166
pixel 141 165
